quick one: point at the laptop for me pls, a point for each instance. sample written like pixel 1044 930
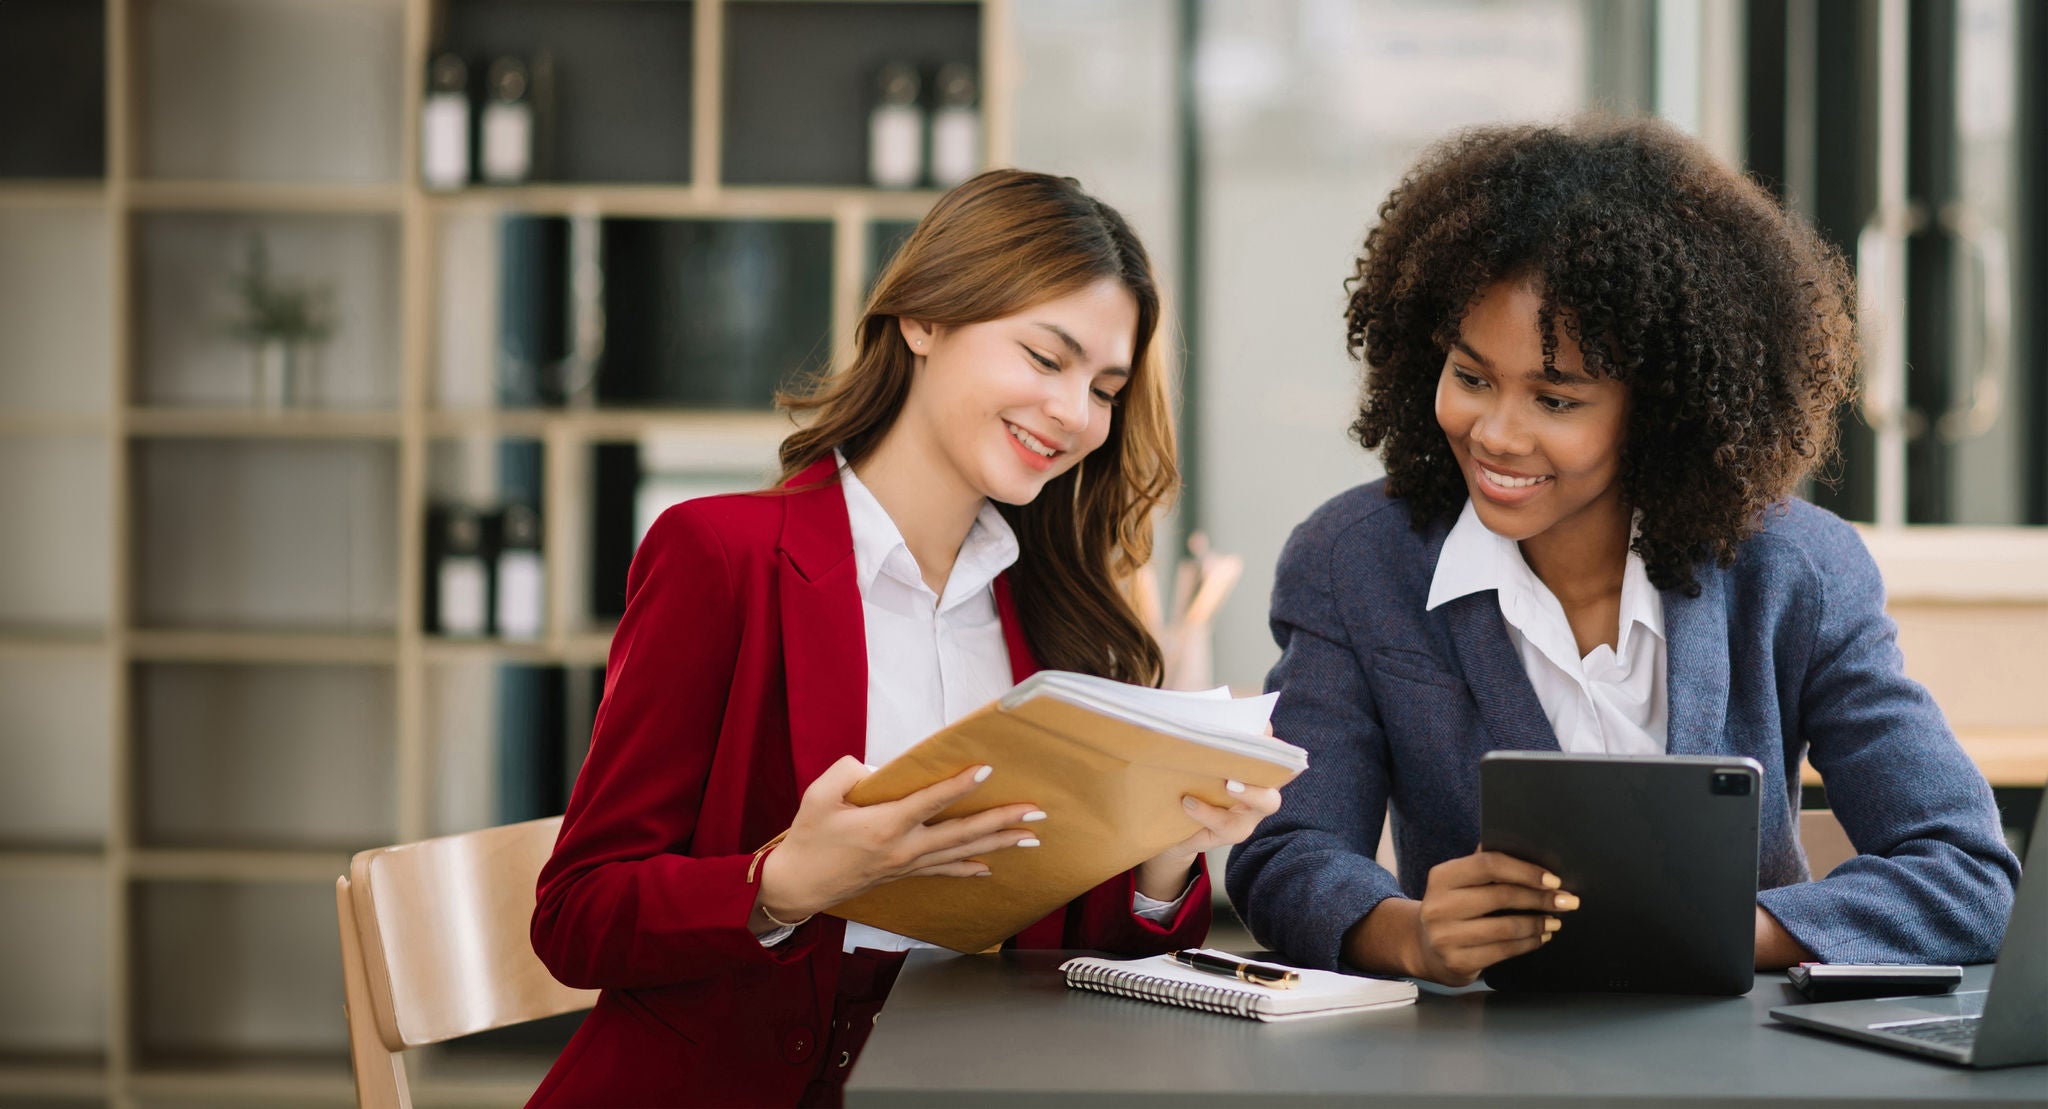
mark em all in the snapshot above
pixel 2003 1026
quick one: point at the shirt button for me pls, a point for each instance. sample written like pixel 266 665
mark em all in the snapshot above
pixel 845 1059
pixel 796 1045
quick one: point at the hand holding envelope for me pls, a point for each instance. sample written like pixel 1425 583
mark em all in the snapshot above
pixel 1111 762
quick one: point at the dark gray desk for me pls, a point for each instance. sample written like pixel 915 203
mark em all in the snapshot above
pixel 992 1030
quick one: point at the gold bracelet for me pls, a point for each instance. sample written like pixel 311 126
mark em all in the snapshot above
pixel 761 852
pixel 772 919
pixel 753 868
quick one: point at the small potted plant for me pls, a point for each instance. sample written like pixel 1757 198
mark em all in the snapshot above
pixel 283 322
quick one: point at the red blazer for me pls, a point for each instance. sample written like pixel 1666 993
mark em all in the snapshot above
pixel 738 674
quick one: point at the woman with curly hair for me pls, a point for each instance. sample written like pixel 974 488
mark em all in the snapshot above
pixel 1598 364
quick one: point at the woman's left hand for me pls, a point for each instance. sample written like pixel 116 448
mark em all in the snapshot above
pixel 1165 876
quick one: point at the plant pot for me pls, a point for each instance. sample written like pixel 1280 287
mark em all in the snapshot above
pixel 283 372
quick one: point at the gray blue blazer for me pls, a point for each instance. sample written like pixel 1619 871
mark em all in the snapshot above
pixel 1784 654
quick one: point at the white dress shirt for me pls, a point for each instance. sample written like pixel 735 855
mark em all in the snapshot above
pixel 931 659
pixel 1611 701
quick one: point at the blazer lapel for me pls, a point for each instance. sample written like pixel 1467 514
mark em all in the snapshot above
pixel 1492 670
pixel 1696 647
pixel 824 639
pixel 1023 663
pixel 1494 673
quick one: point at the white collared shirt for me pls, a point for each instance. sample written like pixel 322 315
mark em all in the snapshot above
pixel 931 659
pixel 1611 701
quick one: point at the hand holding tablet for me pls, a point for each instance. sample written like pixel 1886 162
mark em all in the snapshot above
pixel 1662 850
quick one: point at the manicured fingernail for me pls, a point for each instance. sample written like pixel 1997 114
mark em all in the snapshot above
pixel 1033 816
pixel 1188 803
pixel 1233 785
pixel 1552 924
pixel 984 874
pixel 1550 881
pixel 982 774
pixel 1028 841
pixel 1546 937
pixel 1565 901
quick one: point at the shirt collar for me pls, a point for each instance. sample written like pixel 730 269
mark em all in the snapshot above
pixel 879 549
pixel 1475 559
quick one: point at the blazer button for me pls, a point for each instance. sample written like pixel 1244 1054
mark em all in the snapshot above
pixel 797 1044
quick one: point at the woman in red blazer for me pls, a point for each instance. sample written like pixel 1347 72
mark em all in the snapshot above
pixel 1010 339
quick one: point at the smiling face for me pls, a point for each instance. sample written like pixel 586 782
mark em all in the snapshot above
pixel 1007 405
pixel 1541 454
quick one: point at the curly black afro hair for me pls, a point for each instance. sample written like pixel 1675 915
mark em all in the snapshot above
pixel 1729 322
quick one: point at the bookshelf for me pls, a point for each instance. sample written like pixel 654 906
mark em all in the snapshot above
pixel 215 678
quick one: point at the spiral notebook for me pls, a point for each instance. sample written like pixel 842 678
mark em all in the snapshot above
pixel 1319 993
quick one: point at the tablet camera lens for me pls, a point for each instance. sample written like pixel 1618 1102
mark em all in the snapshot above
pixel 1728 783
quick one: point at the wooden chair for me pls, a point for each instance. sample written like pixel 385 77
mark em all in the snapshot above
pixel 1827 845
pixel 434 946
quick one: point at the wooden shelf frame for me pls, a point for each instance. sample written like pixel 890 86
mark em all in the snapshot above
pixel 290 198
pixel 213 864
pixel 251 423
pixel 19 424
pixel 85 1077
pixel 768 202
pixel 606 425
pixel 263 648
pixel 62 194
pixel 120 1073
pixel 42 642
pixel 19 861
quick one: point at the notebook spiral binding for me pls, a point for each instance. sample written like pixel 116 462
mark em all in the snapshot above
pixel 1218 998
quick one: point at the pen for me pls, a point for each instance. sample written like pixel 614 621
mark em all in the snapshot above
pixel 1258 974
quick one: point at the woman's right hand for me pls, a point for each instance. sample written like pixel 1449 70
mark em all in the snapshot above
pixel 835 851
pixel 1452 934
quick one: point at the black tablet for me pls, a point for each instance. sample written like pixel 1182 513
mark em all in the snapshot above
pixel 1661 850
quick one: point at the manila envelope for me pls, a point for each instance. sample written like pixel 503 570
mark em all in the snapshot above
pixel 1111 791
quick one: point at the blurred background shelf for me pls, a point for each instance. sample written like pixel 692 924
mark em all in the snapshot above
pixel 689 202
pixel 29 424
pixel 52 194
pixel 238 1079
pixel 174 865
pixel 221 665
pixel 49 1079
pixel 228 423
pixel 613 424
pixel 587 649
pixel 30 640
pixel 18 863
pixel 264 196
pixel 263 648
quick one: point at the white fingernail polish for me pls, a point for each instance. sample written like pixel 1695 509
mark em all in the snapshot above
pixel 1233 785
pixel 1032 817
pixel 1028 841
pixel 982 774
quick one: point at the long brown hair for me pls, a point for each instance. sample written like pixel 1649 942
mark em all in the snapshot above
pixel 994 246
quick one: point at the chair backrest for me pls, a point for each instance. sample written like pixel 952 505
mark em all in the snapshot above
pixel 1827 845
pixel 434 945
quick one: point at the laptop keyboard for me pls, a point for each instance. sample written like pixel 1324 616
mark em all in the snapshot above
pixel 1954 1032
